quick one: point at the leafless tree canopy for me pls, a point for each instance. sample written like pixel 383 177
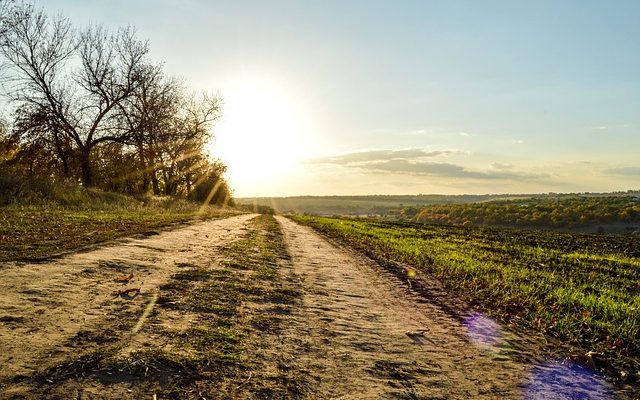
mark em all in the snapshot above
pixel 75 79
pixel 90 98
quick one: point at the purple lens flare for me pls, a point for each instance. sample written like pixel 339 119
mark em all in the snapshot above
pixel 482 330
pixel 565 380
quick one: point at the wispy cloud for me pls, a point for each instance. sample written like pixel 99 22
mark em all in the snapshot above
pixel 445 170
pixel 419 162
pixel 624 171
pixel 517 141
pixel 372 156
pixel 501 166
pixel 606 128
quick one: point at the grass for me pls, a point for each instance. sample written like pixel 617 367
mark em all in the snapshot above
pixel 40 231
pixel 583 289
pixel 209 357
pixel 217 346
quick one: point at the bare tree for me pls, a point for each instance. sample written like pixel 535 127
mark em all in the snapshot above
pixel 90 105
pixel 4 13
pixel 77 79
pixel 169 131
pixel 38 129
pixel 182 149
pixel 149 115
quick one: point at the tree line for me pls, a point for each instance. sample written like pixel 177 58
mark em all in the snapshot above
pixel 557 213
pixel 90 106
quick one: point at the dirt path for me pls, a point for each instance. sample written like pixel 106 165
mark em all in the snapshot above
pixel 361 333
pixel 45 306
pixel 317 321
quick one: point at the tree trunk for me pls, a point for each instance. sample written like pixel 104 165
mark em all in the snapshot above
pixel 85 165
pixel 65 167
pixel 153 171
pixel 61 154
pixel 143 168
pixel 188 182
pixel 155 183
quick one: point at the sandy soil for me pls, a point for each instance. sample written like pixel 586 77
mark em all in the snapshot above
pixel 357 332
pixel 43 306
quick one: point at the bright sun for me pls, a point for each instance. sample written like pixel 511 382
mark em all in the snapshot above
pixel 261 136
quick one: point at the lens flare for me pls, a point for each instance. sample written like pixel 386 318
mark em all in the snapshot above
pixel 565 380
pixel 482 330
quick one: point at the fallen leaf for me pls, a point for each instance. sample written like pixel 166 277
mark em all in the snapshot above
pixel 124 278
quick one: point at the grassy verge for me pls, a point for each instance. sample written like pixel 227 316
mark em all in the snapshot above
pixel 582 289
pixel 209 354
pixel 34 232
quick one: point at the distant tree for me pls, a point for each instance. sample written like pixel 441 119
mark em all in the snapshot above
pixel 70 81
pixel 185 148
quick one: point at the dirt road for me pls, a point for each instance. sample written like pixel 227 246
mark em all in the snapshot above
pixel 356 332
pixel 44 306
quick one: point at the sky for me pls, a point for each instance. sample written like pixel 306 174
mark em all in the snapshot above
pixel 404 97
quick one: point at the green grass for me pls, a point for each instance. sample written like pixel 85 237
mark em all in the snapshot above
pixel 583 289
pixel 39 231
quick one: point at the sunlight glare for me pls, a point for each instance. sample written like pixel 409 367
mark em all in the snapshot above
pixel 261 136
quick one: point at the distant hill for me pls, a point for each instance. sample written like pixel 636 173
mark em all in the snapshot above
pixel 382 205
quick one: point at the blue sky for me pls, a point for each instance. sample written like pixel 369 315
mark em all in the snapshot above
pixel 407 96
